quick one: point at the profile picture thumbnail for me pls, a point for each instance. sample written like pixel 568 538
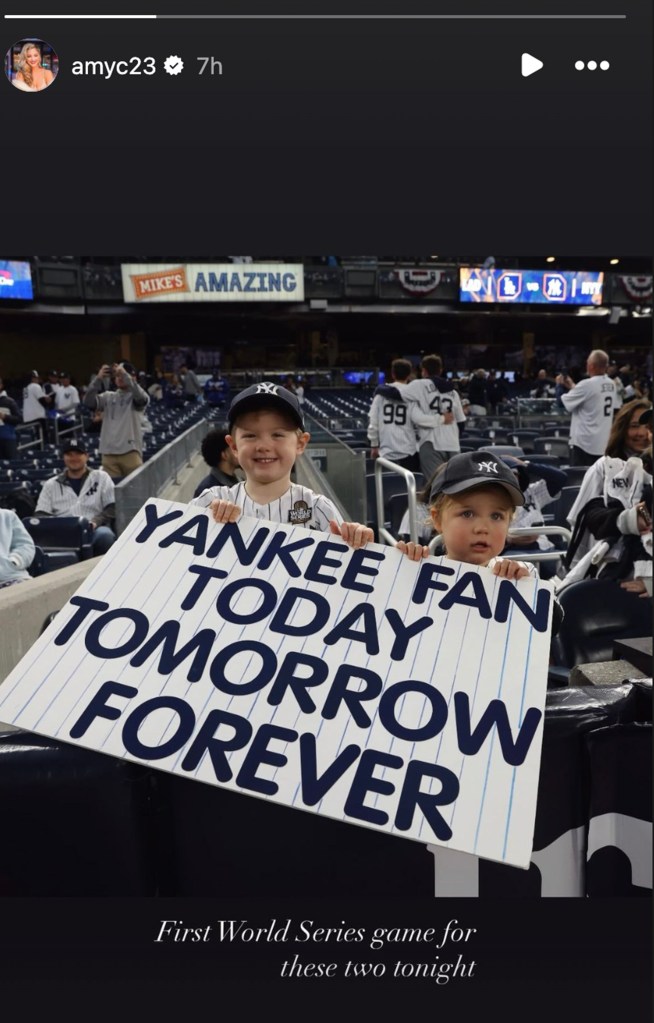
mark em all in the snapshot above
pixel 31 65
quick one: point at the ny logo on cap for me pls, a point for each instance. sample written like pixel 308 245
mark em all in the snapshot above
pixel 267 388
pixel 487 467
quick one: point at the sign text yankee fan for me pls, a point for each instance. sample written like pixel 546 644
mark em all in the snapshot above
pixel 278 662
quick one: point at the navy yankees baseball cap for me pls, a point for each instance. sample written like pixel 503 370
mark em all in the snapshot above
pixel 265 395
pixel 73 445
pixel 475 469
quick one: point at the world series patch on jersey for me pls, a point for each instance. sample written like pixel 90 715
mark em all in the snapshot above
pixel 299 506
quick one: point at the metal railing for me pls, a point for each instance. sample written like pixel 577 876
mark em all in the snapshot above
pixel 534 411
pixel 552 555
pixel 62 423
pixel 409 478
pixel 157 472
pixel 345 468
pixel 28 431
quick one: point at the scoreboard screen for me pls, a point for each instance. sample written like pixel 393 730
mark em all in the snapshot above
pixel 542 287
pixel 15 279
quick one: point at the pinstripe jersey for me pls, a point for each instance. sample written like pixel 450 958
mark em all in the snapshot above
pixel 426 402
pixel 299 506
pixel 57 496
pixel 390 428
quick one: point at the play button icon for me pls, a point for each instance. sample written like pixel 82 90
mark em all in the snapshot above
pixel 530 65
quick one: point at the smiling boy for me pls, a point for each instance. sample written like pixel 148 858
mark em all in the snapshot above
pixel 267 434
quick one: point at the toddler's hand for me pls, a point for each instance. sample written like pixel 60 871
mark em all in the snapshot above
pixel 508 569
pixel 413 551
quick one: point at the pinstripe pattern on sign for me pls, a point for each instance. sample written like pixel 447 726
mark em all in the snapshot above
pixel 458 655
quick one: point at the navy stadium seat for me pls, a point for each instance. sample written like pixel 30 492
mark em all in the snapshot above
pixel 596 613
pixel 67 538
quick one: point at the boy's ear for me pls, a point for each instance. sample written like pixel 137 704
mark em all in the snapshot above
pixel 436 519
pixel 302 441
pixel 230 440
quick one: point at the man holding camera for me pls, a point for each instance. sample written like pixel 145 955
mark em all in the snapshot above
pixel 121 434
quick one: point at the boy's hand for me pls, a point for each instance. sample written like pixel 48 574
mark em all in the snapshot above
pixel 413 551
pixel 224 511
pixel 508 569
pixel 354 534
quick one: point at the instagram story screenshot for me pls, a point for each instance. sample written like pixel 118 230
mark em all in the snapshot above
pixel 326 580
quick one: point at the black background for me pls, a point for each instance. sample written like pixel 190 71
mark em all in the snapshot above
pixel 334 136
pixel 537 960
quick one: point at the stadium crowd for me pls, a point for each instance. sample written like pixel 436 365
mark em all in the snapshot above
pixel 419 419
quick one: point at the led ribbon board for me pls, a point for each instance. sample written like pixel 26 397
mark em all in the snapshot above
pixel 535 287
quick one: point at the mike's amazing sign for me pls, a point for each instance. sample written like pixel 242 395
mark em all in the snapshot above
pixel 280 663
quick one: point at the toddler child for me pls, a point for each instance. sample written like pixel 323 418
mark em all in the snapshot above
pixel 472 501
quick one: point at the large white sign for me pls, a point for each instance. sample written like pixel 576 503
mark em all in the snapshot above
pixel 213 282
pixel 280 663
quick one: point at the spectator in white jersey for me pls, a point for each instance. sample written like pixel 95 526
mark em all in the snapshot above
pixel 591 404
pixel 390 430
pixel 35 403
pixel 51 386
pixel 266 434
pixel 66 395
pixel 81 491
pixel 121 433
pixel 436 413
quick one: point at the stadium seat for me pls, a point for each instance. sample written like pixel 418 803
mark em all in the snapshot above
pixel 505 449
pixel 597 612
pixel 392 483
pixel 552 446
pixel 575 473
pixel 524 439
pixel 38 566
pixel 67 538
pixel 18 497
pixel 543 459
pixel 564 503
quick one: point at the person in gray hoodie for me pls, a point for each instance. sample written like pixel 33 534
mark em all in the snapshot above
pixel 121 434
